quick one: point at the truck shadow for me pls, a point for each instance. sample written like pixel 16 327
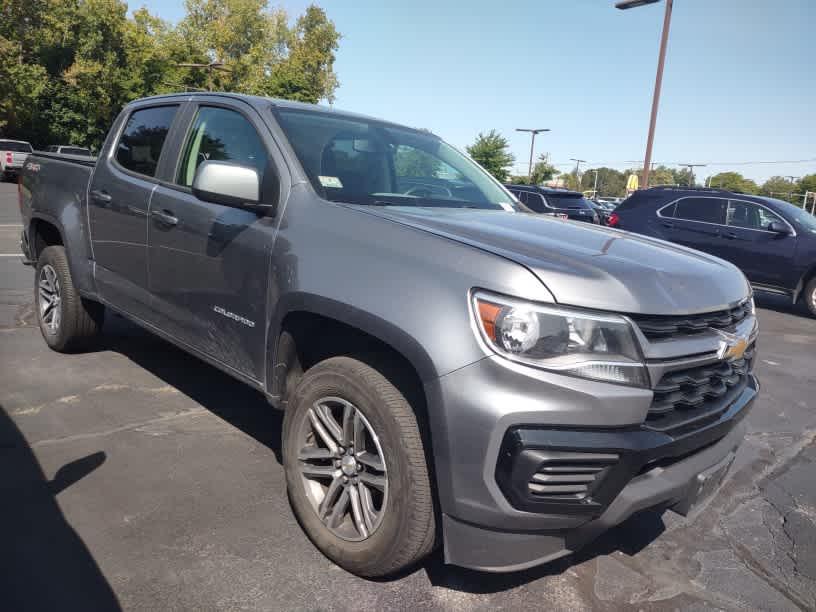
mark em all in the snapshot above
pixel 224 396
pixel 44 564
pixel 779 303
pixel 630 537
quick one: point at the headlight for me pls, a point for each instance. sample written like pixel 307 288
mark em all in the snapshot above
pixel 595 346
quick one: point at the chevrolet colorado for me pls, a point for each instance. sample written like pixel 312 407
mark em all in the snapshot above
pixel 453 370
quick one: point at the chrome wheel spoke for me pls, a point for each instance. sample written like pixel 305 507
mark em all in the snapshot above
pixel 48 293
pixel 367 504
pixel 318 471
pixel 378 482
pixel 339 510
pixel 324 413
pixel 348 424
pixel 359 431
pixel 371 460
pixel 335 489
pixel 357 511
pixel 320 430
pixel 314 453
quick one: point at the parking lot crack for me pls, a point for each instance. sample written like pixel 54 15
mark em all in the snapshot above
pixel 131 426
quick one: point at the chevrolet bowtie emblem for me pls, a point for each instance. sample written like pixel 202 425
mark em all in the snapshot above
pixel 732 346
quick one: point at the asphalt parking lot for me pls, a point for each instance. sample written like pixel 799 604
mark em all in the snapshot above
pixel 137 477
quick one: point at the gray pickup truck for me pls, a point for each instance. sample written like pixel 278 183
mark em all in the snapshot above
pixel 454 370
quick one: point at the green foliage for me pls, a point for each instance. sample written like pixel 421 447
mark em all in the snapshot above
pixel 415 163
pixel 733 181
pixel 68 66
pixel 492 152
pixel 611 182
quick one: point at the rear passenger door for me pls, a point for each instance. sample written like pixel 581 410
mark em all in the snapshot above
pixel 695 222
pixel 209 263
pixel 118 200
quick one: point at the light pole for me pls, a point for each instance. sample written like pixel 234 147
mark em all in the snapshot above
pixel 628 4
pixel 691 168
pixel 533 133
pixel 578 163
pixel 791 180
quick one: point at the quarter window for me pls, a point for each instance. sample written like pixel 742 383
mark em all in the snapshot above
pixel 141 142
pixel 536 202
pixel 707 210
pixel 220 134
pixel 749 215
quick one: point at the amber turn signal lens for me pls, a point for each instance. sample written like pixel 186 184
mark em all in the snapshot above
pixel 488 313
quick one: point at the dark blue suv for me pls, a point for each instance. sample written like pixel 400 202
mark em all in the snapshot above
pixel 771 241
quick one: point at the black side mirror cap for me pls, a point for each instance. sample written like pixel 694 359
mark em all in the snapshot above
pixel 779 228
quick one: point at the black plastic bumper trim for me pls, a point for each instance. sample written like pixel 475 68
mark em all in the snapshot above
pixel 638 448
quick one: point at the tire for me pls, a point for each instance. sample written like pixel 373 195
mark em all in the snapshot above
pixel 809 296
pixel 78 320
pixel 406 530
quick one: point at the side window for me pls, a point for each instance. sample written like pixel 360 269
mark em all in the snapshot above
pixel 220 134
pixel 141 142
pixel 749 215
pixel 707 210
pixel 536 202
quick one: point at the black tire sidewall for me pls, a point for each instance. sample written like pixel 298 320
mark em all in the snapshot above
pixel 359 557
pixel 810 296
pixel 55 257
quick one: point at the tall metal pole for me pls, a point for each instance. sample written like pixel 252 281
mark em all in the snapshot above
pixel 578 163
pixel 533 134
pixel 656 97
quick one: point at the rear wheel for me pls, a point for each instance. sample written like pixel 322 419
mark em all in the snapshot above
pixel 356 469
pixel 67 321
pixel 810 296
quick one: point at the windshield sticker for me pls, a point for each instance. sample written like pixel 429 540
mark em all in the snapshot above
pixel 330 181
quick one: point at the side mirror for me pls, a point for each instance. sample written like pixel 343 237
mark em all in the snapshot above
pixel 779 228
pixel 227 184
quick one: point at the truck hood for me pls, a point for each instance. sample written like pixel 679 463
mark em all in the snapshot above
pixel 588 265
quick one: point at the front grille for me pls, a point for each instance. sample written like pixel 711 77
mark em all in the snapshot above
pixel 688 399
pixel 662 326
pixel 569 475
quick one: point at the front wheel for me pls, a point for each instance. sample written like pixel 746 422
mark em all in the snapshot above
pixel 67 320
pixel 810 296
pixel 356 470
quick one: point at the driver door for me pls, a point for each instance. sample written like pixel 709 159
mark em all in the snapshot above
pixel 208 263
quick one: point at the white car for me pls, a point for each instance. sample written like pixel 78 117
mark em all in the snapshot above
pixel 13 154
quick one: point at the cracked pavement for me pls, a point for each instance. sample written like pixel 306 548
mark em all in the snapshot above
pixel 137 477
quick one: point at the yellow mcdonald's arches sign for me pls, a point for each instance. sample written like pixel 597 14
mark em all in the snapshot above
pixel 632 183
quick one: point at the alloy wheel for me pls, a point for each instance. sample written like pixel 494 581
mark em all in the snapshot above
pixel 342 468
pixel 50 298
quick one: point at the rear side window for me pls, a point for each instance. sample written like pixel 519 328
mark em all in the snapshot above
pixel 141 142
pixel 220 134
pixel 17 147
pixel 536 202
pixel 706 210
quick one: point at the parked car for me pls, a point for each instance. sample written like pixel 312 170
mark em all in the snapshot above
pixel 451 370
pixel 771 241
pixel 69 150
pixel 13 154
pixel 555 202
pixel 611 202
pixel 602 211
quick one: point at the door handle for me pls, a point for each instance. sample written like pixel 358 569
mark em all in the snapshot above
pixel 730 235
pixel 165 217
pixel 100 196
pixel 667 224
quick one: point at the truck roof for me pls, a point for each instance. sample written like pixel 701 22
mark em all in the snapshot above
pixel 262 102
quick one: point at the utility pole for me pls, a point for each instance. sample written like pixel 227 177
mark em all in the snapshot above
pixel 691 168
pixel 533 133
pixel 578 163
pixel 595 187
pixel 792 180
pixel 661 60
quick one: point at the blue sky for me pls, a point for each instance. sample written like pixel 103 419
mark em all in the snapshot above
pixel 739 82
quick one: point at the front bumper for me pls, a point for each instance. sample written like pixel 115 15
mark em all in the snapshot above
pixel 498 412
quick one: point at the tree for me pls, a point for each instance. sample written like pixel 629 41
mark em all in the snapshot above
pixel 491 151
pixel 733 181
pixel 611 182
pixel 415 163
pixel 68 67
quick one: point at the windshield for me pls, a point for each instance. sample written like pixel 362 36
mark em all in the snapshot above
pixel 566 201
pixel 362 161
pixel 18 147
